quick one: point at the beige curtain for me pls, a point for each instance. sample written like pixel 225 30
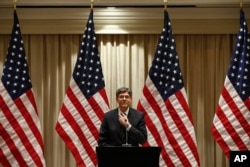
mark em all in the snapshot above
pixel 126 59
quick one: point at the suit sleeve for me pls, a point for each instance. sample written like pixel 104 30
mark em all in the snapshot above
pixel 138 132
pixel 103 133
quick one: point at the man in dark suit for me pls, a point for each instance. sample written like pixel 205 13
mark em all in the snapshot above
pixel 123 125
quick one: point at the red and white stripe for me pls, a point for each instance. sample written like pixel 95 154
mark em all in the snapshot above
pixel 169 126
pixel 79 121
pixel 21 141
pixel 231 124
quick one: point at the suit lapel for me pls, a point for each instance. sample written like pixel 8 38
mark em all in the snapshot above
pixel 130 116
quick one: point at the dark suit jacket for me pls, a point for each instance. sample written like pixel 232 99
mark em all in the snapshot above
pixel 112 133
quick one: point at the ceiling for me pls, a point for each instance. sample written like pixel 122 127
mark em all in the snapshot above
pixel 171 3
pixel 125 16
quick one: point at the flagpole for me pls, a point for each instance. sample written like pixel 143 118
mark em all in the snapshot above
pixel 165 4
pixel 14 4
pixel 91 4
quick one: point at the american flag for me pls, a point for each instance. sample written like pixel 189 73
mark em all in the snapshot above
pixel 164 102
pixel 85 102
pixel 21 142
pixel 231 124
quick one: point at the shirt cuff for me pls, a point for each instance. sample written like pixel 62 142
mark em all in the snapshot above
pixel 128 128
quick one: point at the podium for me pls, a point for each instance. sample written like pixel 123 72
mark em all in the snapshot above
pixel 128 156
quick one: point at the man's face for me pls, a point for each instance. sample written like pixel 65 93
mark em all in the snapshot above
pixel 124 100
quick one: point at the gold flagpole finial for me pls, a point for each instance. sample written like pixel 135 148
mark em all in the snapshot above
pixel 14 4
pixel 165 4
pixel 91 4
pixel 241 4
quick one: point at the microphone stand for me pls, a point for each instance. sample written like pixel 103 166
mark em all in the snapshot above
pixel 126 144
pixel 126 138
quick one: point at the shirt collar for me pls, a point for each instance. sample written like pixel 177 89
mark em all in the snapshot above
pixel 126 112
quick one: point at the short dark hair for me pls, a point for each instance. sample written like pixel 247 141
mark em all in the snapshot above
pixel 122 90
